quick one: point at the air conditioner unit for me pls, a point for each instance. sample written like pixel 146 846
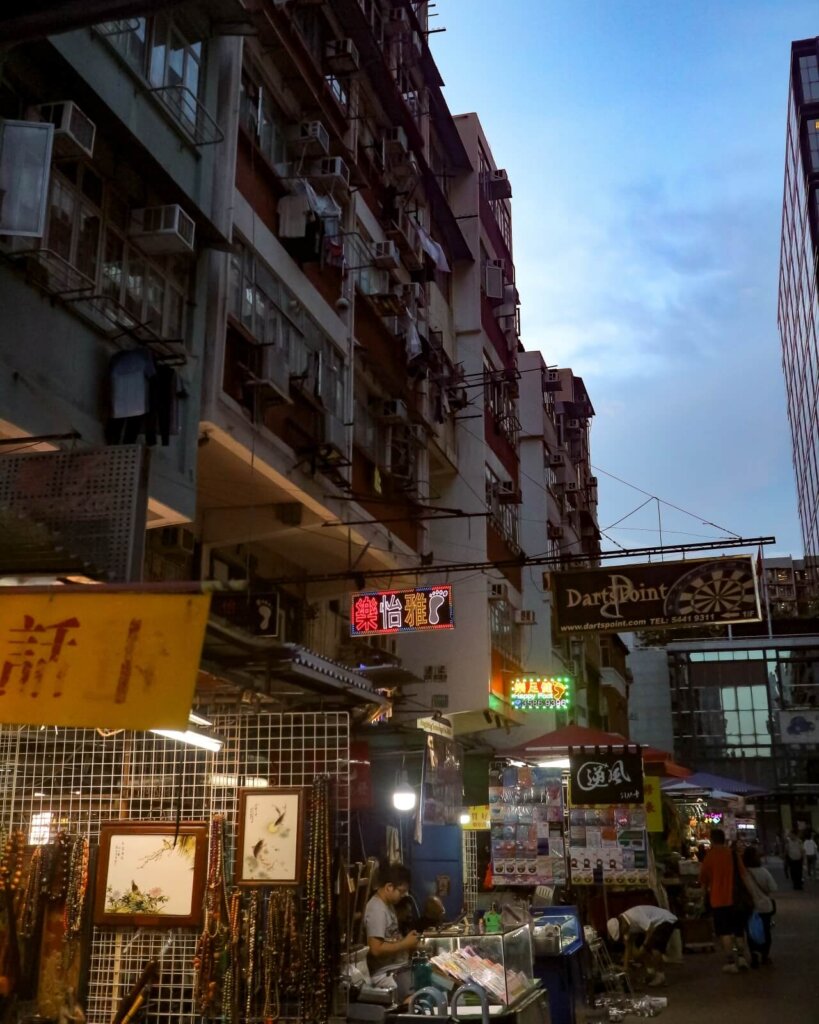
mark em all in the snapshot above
pixel 310 137
pixel 493 281
pixel 572 424
pixel 417 294
pixel 162 229
pixel 557 459
pixel 178 540
pixel 498 592
pixel 498 185
pixel 341 56
pixel 508 493
pixel 572 487
pixel 458 398
pixel 592 481
pixel 397 22
pixel 73 131
pixel 386 256
pixel 551 381
pixel 333 172
pixel 525 617
pixel 554 532
pixel 390 410
pixel 396 141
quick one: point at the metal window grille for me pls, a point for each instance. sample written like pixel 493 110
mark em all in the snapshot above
pixel 76 779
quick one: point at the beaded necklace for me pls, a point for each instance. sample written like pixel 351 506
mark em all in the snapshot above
pixel 210 947
pixel 28 913
pixel 76 889
pixel 315 990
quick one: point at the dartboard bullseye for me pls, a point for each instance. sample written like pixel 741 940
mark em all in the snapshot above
pixel 720 591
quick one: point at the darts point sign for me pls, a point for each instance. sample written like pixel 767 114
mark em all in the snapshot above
pixel 402 611
pixel 662 595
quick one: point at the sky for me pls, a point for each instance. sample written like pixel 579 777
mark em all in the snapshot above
pixel 645 146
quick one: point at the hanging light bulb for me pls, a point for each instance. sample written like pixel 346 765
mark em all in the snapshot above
pixel 403 797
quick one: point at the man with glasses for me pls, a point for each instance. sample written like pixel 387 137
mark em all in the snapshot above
pixel 388 949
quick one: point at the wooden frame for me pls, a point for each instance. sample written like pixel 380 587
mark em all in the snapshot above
pixel 270 836
pixel 149 875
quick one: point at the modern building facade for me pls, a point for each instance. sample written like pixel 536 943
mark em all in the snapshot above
pixel 798 313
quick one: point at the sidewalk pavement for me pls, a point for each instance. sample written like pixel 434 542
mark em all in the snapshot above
pixel 786 992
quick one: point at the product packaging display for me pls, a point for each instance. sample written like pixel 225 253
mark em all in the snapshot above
pixel 502 963
pixel 608 845
pixel 526 821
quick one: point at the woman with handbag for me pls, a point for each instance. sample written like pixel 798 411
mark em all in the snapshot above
pixel 760 884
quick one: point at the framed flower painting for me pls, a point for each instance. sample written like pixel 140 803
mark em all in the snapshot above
pixel 151 874
pixel 271 826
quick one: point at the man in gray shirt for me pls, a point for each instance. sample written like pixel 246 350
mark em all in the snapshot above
pixel 388 949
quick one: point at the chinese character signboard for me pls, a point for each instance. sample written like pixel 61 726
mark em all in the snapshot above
pixel 678 595
pixel 402 611
pixel 540 693
pixel 653 800
pixel 605 777
pixel 99 658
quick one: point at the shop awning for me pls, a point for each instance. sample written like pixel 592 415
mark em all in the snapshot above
pixel 704 782
pixel 569 736
pixel 661 762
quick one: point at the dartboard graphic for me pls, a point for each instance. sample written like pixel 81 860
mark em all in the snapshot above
pixel 720 590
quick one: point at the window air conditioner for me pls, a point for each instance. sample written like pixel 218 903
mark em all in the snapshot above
pixel 525 617
pixel 572 487
pixel 493 281
pixel 385 255
pixel 73 131
pixel 162 229
pixel 551 381
pixel 554 532
pixel 458 398
pixel 592 481
pixel 341 56
pixel 310 137
pixel 498 185
pixel 397 22
pixel 332 171
pixel 498 592
pixel 557 459
pixel 177 540
pixel 391 410
pixel 418 294
pixel 508 493
pixel 396 141
pixel 573 424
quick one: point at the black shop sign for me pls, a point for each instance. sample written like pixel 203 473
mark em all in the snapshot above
pixel 605 776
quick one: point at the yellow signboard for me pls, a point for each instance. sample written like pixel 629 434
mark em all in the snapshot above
pixel 478 818
pixel 100 658
pixel 652 796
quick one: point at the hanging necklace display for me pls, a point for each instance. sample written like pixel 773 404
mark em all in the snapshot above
pixel 76 890
pixel 211 948
pixel 315 984
pixel 252 924
pixel 11 876
pixel 232 972
pixel 281 958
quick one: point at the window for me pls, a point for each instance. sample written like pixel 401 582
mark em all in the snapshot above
pixel 86 229
pixel 263 120
pixel 809 74
pixel 812 128
pixel 503 516
pixel 25 161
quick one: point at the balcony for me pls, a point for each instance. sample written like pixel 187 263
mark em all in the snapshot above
pixel 611 678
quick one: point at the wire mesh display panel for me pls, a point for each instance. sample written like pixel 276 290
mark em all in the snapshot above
pixel 73 780
pixel 469 841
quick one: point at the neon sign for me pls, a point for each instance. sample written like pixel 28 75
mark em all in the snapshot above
pixel 402 611
pixel 540 693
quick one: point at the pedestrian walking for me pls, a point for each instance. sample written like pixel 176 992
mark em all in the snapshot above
pixel 761 885
pixel 794 854
pixel 720 877
pixel 810 854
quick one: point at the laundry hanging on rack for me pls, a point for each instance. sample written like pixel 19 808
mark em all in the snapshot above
pixel 433 250
pixel 144 399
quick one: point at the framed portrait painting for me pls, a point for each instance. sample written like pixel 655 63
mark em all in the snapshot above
pixel 271 827
pixel 150 874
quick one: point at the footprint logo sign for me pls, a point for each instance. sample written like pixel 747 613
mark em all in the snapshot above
pixel 375 613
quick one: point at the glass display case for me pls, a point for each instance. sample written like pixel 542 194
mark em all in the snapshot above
pixel 500 962
pixel 556 931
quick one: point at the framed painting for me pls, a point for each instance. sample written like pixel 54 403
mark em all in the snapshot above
pixel 150 874
pixel 271 827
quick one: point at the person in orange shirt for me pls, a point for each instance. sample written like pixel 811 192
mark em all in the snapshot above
pixel 717 878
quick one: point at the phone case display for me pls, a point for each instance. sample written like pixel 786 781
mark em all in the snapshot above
pixel 557 930
pixel 608 845
pixel 502 963
pixel 526 826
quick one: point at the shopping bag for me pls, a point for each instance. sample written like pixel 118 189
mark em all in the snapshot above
pixel 756 929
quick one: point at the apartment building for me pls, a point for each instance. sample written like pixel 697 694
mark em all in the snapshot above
pixel 798 312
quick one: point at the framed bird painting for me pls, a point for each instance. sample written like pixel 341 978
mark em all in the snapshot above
pixel 270 831
pixel 151 874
